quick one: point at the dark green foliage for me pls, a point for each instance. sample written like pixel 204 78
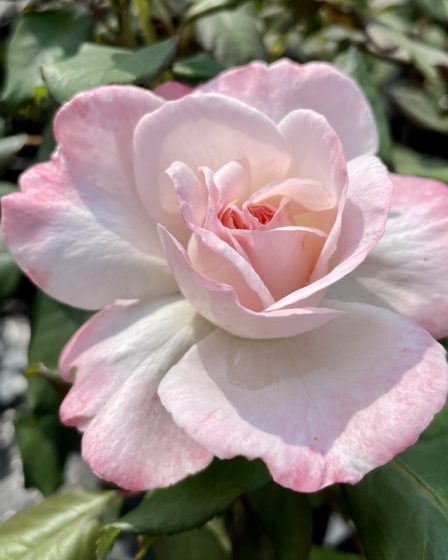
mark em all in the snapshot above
pixel 40 38
pixel 64 526
pixel 401 509
pixel 97 65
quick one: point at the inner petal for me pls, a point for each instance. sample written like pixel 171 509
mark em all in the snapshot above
pixel 279 230
pixel 262 212
pixel 283 257
pixel 232 183
pixel 309 194
pixel 304 203
pixel 265 216
pixel 233 218
pixel 253 216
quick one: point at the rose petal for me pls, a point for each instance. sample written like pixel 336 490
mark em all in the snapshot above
pixel 407 270
pixel 94 132
pixel 209 130
pixel 307 194
pixel 86 251
pixel 317 86
pixel 172 90
pixel 321 408
pixel 233 183
pixel 210 255
pixel 283 257
pixel 119 357
pixel 79 230
pixel 362 225
pixel 319 155
pixel 218 261
pixel 218 302
pixel 220 196
pixel 317 152
pixel 191 193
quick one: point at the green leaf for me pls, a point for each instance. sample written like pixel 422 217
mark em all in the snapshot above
pixel 48 143
pixel 232 36
pixel 437 9
pixel 52 324
pixel 106 542
pixel 97 65
pixel 408 49
pixel 10 274
pixel 319 553
pixel 177 7
pixel 63 526
pixel 201 8
pixel 408 162
pixel 248 538
pixel 193 501
pixel 285 517
pixel 354 63
pixel 39 433
pixel 37 437
pixel 41 38
pixel 401 509
pixel 197 67
pixel 41 397
pixel 419 107
pixel 198 544
pixel 7 188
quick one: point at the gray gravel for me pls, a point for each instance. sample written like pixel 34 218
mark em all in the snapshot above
pixel 14 338
pixel 13 496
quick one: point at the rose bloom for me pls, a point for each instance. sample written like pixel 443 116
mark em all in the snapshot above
pixel 269 289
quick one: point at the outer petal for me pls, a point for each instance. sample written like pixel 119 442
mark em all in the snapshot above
pixel 407 270
pixel 278 89
pixel 94 132
pixel 86 255
pixel 172 90
pixel 78 230
pixel 119 357
pixel 209 130
pixel 324 407
pixel 362 225
pixel 218 302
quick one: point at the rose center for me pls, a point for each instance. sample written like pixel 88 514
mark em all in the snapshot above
pixel 251 217
pixel 263 212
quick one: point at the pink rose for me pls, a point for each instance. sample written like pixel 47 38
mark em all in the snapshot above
pixel 258 197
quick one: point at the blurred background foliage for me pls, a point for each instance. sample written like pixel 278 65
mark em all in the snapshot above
pixel 397 50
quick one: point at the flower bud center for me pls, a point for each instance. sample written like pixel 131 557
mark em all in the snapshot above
pixel 263 212
pixel 234 218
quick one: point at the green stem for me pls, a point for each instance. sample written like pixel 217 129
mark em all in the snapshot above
pixel 121 11
pixel 144 16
